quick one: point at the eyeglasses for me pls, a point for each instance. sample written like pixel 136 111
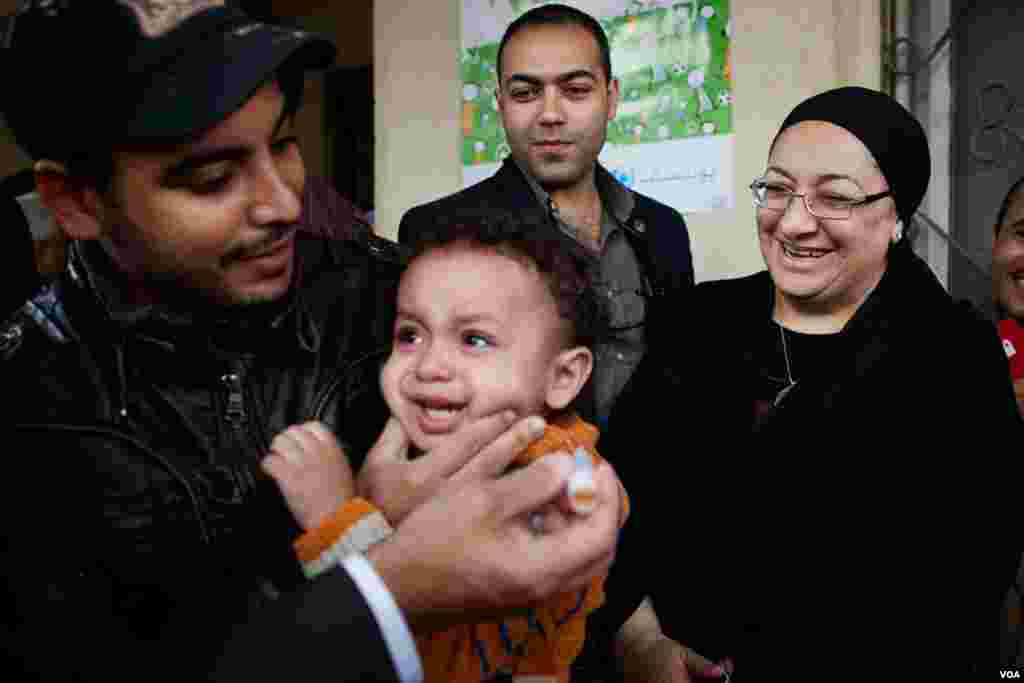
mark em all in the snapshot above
pixel 832 207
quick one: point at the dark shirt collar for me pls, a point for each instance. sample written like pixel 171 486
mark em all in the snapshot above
pixel 616 199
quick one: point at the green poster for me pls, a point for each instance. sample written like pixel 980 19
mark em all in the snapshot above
pixel 672 60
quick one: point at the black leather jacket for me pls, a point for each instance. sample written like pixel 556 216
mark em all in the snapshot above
pixel 138 525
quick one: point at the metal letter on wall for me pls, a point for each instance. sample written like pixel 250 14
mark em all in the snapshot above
pixel 994 141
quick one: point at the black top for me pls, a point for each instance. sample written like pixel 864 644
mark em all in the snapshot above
pixel 808 355
pixel 140 530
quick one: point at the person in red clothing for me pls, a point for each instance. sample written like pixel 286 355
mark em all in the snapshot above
pixel 1008 282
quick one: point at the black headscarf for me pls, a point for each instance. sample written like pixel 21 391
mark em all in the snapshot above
pixel 891 133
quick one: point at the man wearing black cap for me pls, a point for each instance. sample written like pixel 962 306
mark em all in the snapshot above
pixel 190 326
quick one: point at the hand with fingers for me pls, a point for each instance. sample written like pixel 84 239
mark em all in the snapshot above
pixel 312 471
pixel 646 654
pixel 469 553
pixel 668 661
pixel 397 484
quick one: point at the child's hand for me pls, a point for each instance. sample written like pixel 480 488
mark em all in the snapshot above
pixel 312 472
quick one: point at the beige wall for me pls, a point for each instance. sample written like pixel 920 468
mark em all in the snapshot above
pixel 783 51
pixel 416 88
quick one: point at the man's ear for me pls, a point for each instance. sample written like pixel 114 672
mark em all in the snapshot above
pixel 497 99
pixel 570 370
pixel 613 99
pixel 75 207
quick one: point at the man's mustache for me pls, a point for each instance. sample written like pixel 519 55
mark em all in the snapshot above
pixel 256 248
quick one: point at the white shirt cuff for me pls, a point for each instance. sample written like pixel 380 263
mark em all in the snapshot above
pixel 397 635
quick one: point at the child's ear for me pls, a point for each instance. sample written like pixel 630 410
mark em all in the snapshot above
pixel 569 372
pixel 77 209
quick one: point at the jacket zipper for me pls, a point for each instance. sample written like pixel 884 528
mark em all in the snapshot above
pixel 251 439
pixel 234 411
pixel 237 414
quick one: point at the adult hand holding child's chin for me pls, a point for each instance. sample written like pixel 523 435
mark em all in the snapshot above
pixel 480 450
pixel 470 552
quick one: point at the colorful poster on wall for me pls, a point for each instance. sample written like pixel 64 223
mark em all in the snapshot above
pixel 673 135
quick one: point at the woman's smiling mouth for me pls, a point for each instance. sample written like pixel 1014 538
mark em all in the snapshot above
pixel 793 251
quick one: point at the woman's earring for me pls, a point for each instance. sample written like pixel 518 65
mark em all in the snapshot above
pixel 897 234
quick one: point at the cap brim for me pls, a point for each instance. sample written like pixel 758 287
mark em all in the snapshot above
pixel 210 79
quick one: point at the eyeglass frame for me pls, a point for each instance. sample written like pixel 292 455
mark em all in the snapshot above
pixel 803 196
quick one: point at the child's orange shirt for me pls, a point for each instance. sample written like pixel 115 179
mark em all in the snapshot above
pixel 542 643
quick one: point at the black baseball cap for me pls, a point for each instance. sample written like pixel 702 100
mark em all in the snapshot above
pixel 81 74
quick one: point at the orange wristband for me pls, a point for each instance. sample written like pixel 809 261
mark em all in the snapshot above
pixel 353 528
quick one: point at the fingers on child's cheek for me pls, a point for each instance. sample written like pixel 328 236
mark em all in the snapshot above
pixel 528 431
pixel 555 518
pixel 564 504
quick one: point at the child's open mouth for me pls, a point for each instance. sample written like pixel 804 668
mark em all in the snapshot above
pixel 438 416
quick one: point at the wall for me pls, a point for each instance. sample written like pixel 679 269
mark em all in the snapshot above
pixel 349 25
pixel 784 51
pixel 929 95
pixel 415 49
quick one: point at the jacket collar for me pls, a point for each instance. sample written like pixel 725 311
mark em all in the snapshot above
pixel 907 293
pixel 616 197
pixel 92 275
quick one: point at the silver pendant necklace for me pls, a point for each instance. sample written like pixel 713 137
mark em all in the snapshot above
pixel 789 371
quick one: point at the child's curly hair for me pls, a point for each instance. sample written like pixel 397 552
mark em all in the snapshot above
pixel 531 239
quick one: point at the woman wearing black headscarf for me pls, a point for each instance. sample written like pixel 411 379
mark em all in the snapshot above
pixel 832 492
